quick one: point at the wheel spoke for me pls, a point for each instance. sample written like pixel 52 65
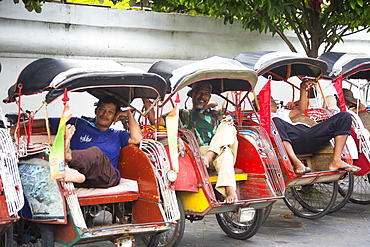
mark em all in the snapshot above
pixel 311 201
pixel 361 190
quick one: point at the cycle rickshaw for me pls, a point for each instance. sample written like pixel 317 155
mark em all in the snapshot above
pixel 258 175
pixel 311 195
pixel 140 207
pixel 354 69
pixel 11 192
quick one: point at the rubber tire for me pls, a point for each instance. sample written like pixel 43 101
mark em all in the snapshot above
pixel 176 231
pixel 228 225
pixel 266 212
pixel 345 191
pixel 42 233
pixel 302 208
pixel 149 241
pixel 163 239
pixel 47 234
pixel 7 238
pixel 361 194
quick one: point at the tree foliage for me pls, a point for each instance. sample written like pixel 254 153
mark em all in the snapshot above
pixel 317 24
pixel 32 5
pixel 36 5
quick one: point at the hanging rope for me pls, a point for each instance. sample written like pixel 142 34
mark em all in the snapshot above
pixel 322 93
pixel 19 117
pixel 46 116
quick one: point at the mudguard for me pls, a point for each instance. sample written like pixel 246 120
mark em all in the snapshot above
pixel 43 195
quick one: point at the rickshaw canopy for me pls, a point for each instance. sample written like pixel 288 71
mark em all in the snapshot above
pixel 347 65
pixel 282 65
pixel 97 77
pixel 223 74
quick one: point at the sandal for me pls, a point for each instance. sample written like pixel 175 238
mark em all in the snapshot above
pixel 356 169
pixel 303 170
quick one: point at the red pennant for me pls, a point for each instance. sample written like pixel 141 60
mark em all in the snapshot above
pixel 338 86
pixel 264 99
pixel 65 97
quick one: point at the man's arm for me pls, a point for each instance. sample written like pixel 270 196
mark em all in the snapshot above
pixel 135 131
pixel 151 113
pixel 303 101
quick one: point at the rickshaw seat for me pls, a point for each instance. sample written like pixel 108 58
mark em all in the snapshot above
pixel 213 173
pixel 238 177
pixel 127 190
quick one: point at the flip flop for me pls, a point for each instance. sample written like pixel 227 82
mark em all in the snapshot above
pixel 305 170
pixel 349 166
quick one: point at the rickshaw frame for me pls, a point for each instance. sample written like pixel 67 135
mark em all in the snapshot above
pixel 346 67
pixel 152 212
pixel 282 66
pixel 199 199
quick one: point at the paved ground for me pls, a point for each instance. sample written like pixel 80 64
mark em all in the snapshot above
pixel 348 227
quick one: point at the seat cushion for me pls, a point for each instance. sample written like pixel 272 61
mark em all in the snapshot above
pixel 126 186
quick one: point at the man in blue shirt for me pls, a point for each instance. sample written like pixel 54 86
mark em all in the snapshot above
pixel 93 148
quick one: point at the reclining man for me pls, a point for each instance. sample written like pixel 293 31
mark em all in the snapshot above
pixel 216 136
pixel 92 149
pixel 299 138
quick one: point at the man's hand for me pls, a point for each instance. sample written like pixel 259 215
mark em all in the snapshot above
pixel 211 105
pixel 291 105
pixel 228 118
pixel 308 84
pixel 122 115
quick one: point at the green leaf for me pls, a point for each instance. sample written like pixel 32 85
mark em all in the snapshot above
pixel 353 3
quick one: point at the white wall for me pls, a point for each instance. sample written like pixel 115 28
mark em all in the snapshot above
pixel 135 38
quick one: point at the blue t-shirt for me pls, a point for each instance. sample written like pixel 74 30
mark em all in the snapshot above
pixel 87 135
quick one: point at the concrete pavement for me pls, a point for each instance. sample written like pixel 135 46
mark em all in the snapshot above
pixel 350 227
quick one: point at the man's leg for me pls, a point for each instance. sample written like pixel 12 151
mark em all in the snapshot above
pixel 226 183
pixel 337 127
pixel 96 167
pixel 285 130
pixel 299 168
pixel 222 153
pixel 89 167
pixel 71 175
pixel 337 162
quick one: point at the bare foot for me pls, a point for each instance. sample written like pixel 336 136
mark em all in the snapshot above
pixel 72 175
pixel 301 169
pixel 70 130
pixel 341 165
pixel 231 196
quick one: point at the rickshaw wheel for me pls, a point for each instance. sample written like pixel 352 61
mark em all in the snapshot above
pixel 27 233
pixel 147 241
pixel 361 190
pixel 345 188
pixel 7 238
pixel 240 230
pixel 172 237
pixel 311 201
pixel 266 212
